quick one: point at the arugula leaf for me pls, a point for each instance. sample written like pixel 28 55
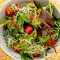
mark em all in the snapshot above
pixel 23 46
pixel 43 39
pixel 50 8
pixel 56 29
pixel 21 29
pixel 32 5
pixel 9 27
pixel 58 22
pixel 26 56
pixel 34 34
pixel 35 23
pixel 55 34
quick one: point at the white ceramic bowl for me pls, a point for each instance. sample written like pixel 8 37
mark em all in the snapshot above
pixel 10 52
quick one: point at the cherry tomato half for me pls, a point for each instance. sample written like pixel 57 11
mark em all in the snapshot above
pixel 9 12
pixel 29 29
pixel 51 42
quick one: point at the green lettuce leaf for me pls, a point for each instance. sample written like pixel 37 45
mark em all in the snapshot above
pixel 3 22
pixel 43 39
pixel 22 17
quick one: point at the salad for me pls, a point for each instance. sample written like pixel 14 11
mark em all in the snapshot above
pixel 30 29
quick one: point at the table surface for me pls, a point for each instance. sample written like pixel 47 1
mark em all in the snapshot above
pixel 4 56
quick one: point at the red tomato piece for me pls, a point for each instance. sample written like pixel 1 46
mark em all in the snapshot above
pixel 35 55
pixel 9 12
pixel 29 29
pixel 12 20
pixel 14 47
pixel 30 17
pixel 18 6
pixel 23 41
pixel 16 25
pixel 13 25
pixel 51 42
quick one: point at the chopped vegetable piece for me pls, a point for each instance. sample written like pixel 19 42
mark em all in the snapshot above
pixel 36 55
pixel 51 42
pixel 15 48
pixel 12 20
pixel 30 17
pixel 9 12
pixel 13 25
pixel 18 6
pixel 16 25
pixel 29 29
pixel 22 41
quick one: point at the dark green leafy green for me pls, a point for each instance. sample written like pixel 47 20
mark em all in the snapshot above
pixel 56 29
pixel 41 55
pixel 26 56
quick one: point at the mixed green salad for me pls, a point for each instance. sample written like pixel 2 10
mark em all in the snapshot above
pixel 30 29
